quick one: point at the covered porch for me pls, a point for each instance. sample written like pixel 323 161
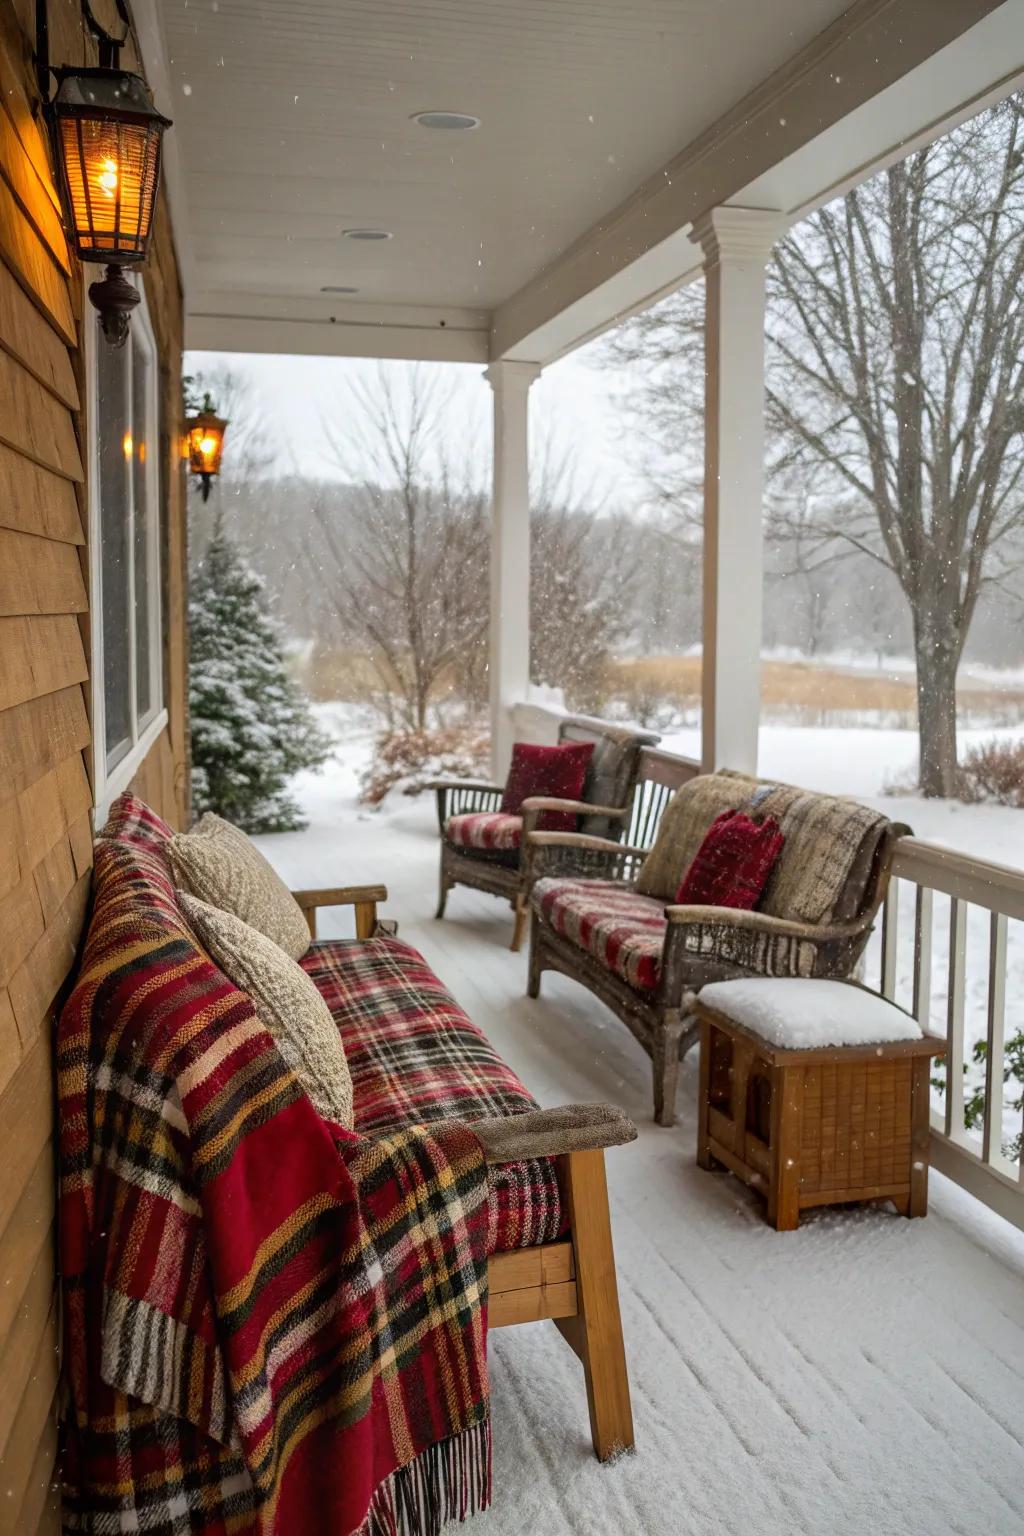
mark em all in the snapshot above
pixel 776 1388
pixel 859 1375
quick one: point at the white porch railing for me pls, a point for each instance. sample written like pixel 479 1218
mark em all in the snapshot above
pixel 946 912
pixel 929 965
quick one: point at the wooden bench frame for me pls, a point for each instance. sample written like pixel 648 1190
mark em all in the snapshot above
pixel 571 1282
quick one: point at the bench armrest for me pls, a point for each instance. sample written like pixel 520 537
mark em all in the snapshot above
pixel 498 789
pixel 363 897
pixel 552 1132
pixel 584 840
pixel 760 922
pixel 577 855
pixel 576 807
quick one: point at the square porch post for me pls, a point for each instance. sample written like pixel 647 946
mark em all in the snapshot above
pixel 736 243
pixel 510 553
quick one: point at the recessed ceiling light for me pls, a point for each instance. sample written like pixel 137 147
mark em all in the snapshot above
pixel 457 121
pixel 335 288
pixel 367 234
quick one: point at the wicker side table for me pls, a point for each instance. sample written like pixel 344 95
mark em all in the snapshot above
pixel 814 1125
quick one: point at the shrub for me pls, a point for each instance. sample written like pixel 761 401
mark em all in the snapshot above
pixel 993 771
pixel 407 761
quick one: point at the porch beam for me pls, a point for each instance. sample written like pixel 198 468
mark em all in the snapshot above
pixel 736 244
pixel 848 101
pixel 510 553
pixel 322 326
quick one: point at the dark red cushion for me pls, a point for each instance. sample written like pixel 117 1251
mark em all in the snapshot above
pixel 555 771
pixel 732 864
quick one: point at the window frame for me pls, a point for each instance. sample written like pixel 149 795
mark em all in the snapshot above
pixel 109 780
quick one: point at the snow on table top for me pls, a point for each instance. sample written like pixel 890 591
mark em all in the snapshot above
pixel 798 1013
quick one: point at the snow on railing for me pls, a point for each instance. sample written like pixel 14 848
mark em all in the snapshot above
pixel 952 975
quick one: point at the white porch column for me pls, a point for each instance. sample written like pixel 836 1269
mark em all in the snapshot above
pixel 736 243
pixel 510 553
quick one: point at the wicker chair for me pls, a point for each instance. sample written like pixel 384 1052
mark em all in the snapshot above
pixel 474 807
pixel 599 917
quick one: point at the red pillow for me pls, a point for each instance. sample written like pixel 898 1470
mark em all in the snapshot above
pixel 555 771
pixel 732 864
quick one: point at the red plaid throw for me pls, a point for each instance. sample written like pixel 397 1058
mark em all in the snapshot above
pixel 414 1055
pixel 611 921
pixel 270 1326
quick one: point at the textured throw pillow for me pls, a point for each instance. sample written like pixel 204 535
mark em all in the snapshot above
pixel 220 865
pixel 286 1002
pixel 559 772
pixel 732 864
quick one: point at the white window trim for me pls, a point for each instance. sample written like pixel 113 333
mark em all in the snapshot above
pixel 108 784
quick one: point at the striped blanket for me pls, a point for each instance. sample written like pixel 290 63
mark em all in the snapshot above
pixel 271 1325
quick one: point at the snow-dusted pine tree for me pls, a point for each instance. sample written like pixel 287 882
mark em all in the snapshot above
pixel 251 727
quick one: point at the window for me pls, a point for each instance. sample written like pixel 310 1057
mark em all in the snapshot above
pixel 128 712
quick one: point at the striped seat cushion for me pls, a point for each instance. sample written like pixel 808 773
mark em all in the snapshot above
pixel 414 1055
pixel 492 830
pixel 609 920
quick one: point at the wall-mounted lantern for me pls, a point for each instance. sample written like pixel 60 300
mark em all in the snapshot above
pixel 107 134
pixel 205 444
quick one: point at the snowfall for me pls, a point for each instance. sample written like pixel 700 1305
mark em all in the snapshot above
pixel 859 1377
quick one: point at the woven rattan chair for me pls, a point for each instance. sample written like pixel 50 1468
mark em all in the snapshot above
pixel 471 809
pixel 644 956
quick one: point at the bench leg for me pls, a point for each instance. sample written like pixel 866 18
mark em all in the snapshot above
pixel 522 912
pixel 535 966
pixel 444 888
pixel 596 1332
pixel 665 1060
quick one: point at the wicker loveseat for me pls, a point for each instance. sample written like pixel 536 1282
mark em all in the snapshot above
pixel 482 847
pixel 147 991
pixel 605 912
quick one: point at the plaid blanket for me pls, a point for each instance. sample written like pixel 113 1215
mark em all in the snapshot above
pixel 271 1325
pixel 415 1056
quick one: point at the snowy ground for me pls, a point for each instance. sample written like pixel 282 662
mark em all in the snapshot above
pixel 859 1376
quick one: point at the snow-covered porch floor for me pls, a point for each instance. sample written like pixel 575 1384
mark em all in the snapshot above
pixel 860 1377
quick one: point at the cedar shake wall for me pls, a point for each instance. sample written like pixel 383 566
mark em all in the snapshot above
pixel 45 703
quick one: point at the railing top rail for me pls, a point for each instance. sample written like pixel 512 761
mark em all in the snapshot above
pixel 983 883
pixel 667 768
pixel 997 887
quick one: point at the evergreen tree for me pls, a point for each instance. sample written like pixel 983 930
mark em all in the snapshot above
pixel 251 727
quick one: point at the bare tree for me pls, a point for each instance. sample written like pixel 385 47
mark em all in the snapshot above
pixel 896 366
pixel 409 561
pixel 897 336
pixel 583 574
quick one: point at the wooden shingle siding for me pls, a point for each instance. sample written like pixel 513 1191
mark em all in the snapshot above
pixel 46 799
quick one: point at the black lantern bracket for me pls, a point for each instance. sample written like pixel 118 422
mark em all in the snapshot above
pixel 120 101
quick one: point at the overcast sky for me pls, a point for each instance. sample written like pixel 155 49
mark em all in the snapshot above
pixel 572 405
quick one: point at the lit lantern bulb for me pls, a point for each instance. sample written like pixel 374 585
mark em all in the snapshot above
pixel 207 447
pixel 107 178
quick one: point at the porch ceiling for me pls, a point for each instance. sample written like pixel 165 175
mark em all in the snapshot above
pixel 293 123
pixel 298 126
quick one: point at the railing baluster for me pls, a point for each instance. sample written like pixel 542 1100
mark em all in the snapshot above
pixel 890 934
pixel 955 1020
pixel 992 1138
pixel 923 955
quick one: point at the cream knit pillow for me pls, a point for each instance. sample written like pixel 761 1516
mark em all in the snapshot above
pixel 286 1002
pixel 220 865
